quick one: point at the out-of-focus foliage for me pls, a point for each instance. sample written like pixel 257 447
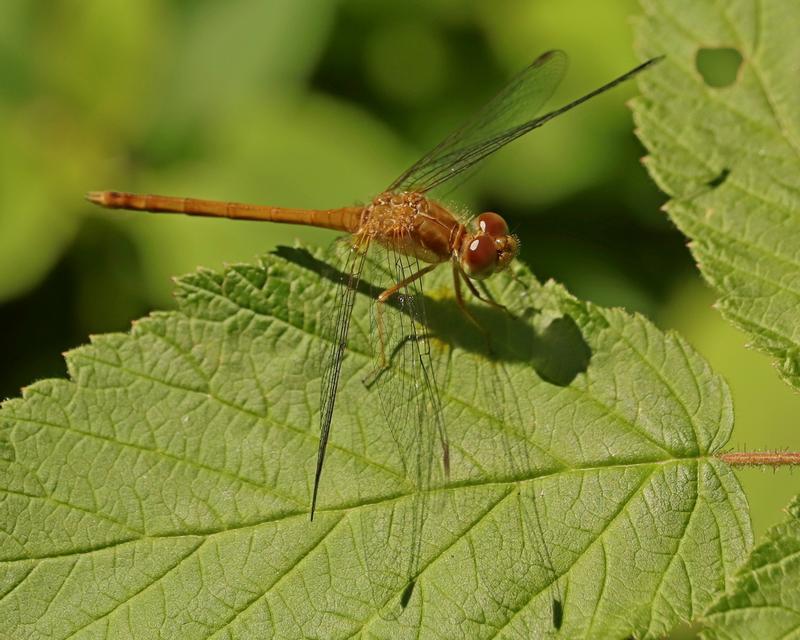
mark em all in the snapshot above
pixel 156 96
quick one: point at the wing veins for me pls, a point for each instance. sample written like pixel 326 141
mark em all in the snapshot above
pixel 333 367
pixel 447 160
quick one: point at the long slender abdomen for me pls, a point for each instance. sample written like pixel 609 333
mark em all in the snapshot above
pixel 344 219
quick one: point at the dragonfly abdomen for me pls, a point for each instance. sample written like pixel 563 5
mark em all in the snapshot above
pixel 343 219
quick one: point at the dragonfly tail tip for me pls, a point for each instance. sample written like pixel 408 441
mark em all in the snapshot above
pixel 96 197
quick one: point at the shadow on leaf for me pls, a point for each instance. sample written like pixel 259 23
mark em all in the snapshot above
pixel 558 352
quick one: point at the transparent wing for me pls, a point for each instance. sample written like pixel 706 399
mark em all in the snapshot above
pixel 402 392
pixel 393 537
pixel 351 278
pixel 533 559
pixel 509 115
pixel 519 101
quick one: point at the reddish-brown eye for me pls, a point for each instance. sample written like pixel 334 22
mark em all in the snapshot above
pixel 480 258
pixel 492 224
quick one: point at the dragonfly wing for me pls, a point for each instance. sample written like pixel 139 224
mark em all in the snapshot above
pixel 340 327
pixel 533 558
pixel 519 101
pixel 393 536
pixel 509 115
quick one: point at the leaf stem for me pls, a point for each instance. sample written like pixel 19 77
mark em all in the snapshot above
pixel 760 458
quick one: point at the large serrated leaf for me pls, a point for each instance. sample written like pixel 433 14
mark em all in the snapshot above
pixel 163 490
pixel 765 601
pixel 729 156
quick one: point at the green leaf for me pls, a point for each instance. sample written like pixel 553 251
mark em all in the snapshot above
pixel 163 490
pixel 765 600
pixel 729 156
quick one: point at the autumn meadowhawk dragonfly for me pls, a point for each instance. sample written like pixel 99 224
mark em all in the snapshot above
pixel 413 235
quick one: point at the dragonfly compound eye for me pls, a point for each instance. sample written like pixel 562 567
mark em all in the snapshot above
pixel 492 224
pixel 480 258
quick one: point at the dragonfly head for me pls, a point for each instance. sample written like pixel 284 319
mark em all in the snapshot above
pixel 489 248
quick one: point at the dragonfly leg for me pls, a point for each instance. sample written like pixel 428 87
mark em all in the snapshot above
pixel 477 293
pixel 457 276
pixel 388 293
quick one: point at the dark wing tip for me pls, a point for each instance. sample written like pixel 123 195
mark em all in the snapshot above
pixel 549 55
pixel 651 62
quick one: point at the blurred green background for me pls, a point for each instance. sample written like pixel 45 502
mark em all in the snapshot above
pixel 322 103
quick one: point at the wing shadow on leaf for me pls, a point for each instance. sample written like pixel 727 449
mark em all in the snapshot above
pixel 557 353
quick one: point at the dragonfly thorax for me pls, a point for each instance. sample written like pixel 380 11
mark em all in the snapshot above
pixel 411 224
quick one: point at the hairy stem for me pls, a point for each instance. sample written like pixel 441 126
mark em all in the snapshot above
pixel 761 458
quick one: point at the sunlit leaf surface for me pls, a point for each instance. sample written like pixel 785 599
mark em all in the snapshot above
pixel 765 601
pixel 163 490
pixel 724 143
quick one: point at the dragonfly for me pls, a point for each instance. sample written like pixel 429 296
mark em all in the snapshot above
pixel 416 234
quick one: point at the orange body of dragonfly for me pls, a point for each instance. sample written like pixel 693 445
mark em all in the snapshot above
pixel 404 221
